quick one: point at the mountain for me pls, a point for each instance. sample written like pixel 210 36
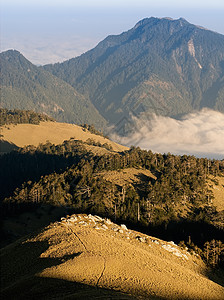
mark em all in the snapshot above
pixel 89 257
pixel 169 67
pixel 25 86
pixel 163 66
pixel 174 198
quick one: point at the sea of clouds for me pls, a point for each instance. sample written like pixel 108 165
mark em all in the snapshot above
pixel 200 133
pixel 48 49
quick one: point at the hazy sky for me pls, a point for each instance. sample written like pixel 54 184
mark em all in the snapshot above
pixel 54 30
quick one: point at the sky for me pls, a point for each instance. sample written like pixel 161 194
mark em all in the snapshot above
pixel 52 31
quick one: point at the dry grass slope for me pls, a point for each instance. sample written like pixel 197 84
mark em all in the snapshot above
pixel 28 134
pixel 87 257
pixel 127 176
pixel 218 191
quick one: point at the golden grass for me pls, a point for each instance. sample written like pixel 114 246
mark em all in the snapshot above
pixel 29 134
pixel 85 253
pixel 127 176
pixel 218 191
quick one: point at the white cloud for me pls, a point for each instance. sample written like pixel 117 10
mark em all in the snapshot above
pixel 199 133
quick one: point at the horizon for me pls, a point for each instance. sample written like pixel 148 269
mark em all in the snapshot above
pixel 60 30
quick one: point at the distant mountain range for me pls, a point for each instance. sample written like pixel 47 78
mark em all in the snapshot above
pixel 25 86
pixel 163 66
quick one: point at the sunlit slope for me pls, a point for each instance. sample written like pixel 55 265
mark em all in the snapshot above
pixel 127 176
pixel 162 66
pixel 82 252
pixel 28 134
pixel 217 186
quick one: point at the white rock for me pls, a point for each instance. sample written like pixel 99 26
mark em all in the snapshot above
pixel 124 227
pixel 141 239
pixel 171 242
pixel 115 229
pixel 155 241
pixel 108 221
pixel 92 219
pixel 82 222
pixel 174 251
pixel 98 218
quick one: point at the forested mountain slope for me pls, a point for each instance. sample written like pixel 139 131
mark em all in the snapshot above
pixel 17 116
pixel 166 66
pixel 167 196
pixel 25 86
pixel 163 66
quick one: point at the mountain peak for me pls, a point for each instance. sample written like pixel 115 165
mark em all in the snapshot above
pixel 161 61
pixel 152 20
pixel 11 52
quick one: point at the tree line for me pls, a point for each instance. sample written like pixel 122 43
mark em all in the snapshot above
pixel 70 176
pixel 17 116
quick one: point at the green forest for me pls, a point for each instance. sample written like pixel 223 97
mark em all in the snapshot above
pixel 28 87
pixel 176 205
pixel 17 116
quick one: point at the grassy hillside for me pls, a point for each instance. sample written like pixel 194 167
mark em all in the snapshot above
pixel 89 252
pixel 171 197
pixel 216 183
pixel 22 135
pixel 165 194
pixel 25 86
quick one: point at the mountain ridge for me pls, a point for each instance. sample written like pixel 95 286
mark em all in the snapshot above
pixel 162 66
pixel 26 86
pixel 169 67
pixel 114 257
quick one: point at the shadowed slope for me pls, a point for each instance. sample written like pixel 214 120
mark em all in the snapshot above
pixel 93 252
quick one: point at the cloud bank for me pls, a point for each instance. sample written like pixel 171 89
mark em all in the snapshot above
pixel 48 49
pixel 199 133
